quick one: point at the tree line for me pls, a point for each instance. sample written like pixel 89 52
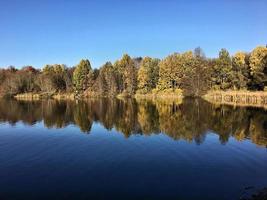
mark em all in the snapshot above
pixel 190 73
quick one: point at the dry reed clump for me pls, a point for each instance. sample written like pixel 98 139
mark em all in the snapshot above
pixel 242 98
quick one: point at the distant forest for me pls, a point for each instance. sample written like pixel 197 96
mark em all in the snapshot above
pixel 190 73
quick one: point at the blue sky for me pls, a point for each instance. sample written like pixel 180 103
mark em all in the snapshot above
pixel 39 32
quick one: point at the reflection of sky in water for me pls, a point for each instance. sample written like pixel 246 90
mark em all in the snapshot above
pixel 106 161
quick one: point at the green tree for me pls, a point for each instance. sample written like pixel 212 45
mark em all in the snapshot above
pixel 222 71
pixel 82 76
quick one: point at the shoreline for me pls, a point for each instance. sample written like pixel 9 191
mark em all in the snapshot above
pixel 234 98
pixel 39 96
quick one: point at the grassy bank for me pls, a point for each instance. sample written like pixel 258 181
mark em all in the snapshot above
pixel 238 98
pixel 167 94
pixel 158 96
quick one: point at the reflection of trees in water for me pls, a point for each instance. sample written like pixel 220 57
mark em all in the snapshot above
pixel 148 117
pixel 82 116
pixel 14 111
pixel 190 120
pixel 182 121
pixel 126 120
pixel 55 114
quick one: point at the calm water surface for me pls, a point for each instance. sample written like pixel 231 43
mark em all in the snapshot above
pixel 127 149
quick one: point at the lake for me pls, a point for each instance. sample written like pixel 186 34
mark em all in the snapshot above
pixel 130 149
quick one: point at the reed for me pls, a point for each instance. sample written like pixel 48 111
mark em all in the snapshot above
pixel 27 96
pixel 239 98
pixel 64 96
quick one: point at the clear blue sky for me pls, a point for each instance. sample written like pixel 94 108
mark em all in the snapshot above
pixel 39 32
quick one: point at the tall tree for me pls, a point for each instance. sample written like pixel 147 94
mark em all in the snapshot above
pixel 111 78
pixel 222 71
pixel 106 83
pixel 82 76
pixel 258 64
pixel 148 74
pixel 171 70
pixel 196 75
pixel 240 70
pixel 127 70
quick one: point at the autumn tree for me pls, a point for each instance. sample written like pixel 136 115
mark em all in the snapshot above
pixel 196 77
pixel 171 70
pixel 126 69
pixel 258 65
pixel 137 62
pixel 241 71
pixel 19 81
pixel 3 77
pixel 55 78
pixel 148 74
pixel 110 78
pixel 99 87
